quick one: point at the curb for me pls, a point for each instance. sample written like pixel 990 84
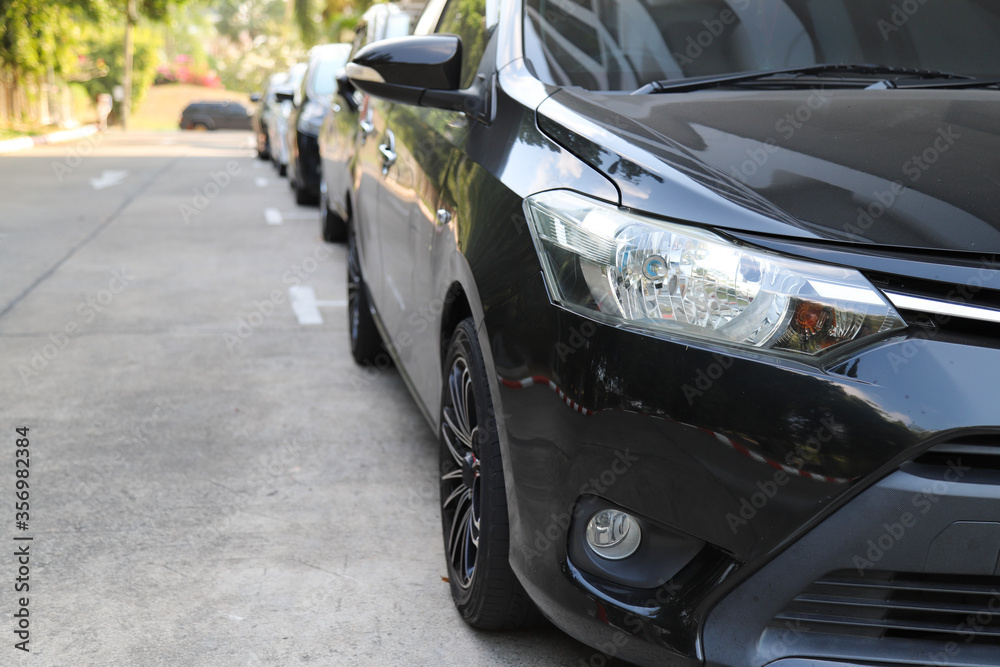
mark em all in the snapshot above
pixel 23 143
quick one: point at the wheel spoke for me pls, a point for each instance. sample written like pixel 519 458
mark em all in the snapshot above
pixel 461 492
pixel 459 524
pixel 473 528
pixel 460 433
pixel 457 395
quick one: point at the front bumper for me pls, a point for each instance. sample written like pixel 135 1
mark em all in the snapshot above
pixel 742 453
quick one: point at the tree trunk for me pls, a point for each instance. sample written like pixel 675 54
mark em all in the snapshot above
pixel 126 109
pixel 4 98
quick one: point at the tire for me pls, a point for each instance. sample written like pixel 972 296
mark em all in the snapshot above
pixel 200 127
pixel 474 517
pixel 302 196
pixel 334 227
pixel 366 343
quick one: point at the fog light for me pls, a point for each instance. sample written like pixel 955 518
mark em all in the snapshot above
pixel 613 534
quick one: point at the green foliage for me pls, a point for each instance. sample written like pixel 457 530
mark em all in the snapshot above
pixel 36 35
pixel 260 42
pixel 306 19
pixel 108 48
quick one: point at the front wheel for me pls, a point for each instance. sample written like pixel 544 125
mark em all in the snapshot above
pixel 366 343
pixel 473 498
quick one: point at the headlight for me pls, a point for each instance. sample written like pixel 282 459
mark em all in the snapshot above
pixel 661 277
pixel 311 118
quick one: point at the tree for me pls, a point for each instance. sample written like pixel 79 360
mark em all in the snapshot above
pixel 155 10
pixel 105 47
pixel 261 41
pixel 37 39
pixel 331 15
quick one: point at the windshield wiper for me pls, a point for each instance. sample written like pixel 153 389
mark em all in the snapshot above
pixel 794 74
pixel 959 83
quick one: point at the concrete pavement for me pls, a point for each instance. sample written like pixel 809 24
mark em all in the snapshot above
pixel 211 481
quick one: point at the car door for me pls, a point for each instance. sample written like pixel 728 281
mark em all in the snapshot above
pixel 417 150
pixel 223 116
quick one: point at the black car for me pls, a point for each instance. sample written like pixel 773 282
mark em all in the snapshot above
pixel 703 300
pixel 216 116
pixel 312 103
pixel 338 136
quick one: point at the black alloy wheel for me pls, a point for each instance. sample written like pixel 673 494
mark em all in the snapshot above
pixel 473 498
pixel 366 343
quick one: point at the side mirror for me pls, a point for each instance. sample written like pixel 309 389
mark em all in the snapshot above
pixel 346 90
pixel 255 98
pixel 420 70
pixel 284 97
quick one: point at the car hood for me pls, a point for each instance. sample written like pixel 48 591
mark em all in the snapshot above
pixel 906 168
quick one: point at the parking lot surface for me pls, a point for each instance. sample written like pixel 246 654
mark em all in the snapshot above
pixel 212 481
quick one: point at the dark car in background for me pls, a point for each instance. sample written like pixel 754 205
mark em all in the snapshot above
pixel 703 299
pixel 216 116
pixel 311 104
pixel 339 134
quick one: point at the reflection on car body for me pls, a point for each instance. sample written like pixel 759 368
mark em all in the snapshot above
pixel 349 112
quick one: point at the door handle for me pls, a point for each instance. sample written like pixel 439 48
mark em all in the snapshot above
pixel 388 150
pixel 367 122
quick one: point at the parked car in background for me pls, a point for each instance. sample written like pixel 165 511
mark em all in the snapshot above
pixel 339 134
pixel 311 104
pixel 282 106
pixel 216 116
pixel 702 298
pixel 264 112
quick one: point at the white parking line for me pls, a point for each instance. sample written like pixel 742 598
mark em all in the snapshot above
pixel 261 182
pixel 304 304
pixel 273 216
pixel 331 304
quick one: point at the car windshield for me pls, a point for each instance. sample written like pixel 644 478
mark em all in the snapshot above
pixel 621 45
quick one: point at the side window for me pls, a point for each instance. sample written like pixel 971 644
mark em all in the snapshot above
pixel 467 19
